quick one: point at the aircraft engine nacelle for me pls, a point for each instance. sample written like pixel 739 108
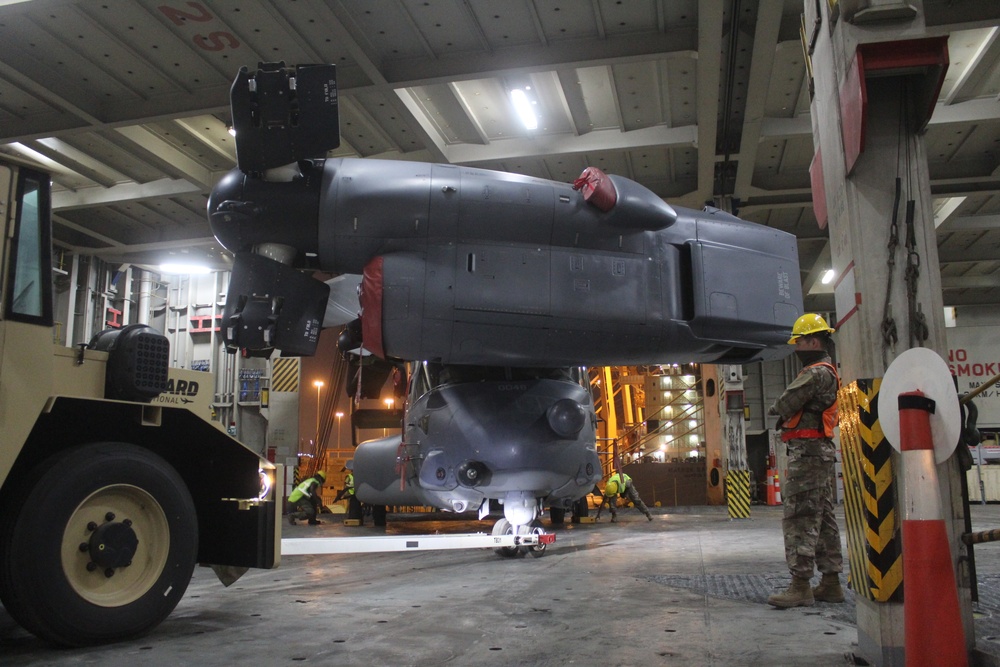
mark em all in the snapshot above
pixel 477 267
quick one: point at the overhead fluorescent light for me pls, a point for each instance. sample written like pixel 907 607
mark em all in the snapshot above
pixel 523 107
pixel 828 277
pixel 181 269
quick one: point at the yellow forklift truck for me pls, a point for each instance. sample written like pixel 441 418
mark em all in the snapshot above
pixel 114 480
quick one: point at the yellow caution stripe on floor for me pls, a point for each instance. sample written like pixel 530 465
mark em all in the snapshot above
pixel 873 539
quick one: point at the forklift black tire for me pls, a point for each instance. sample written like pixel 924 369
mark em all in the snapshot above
pixel 378 515
pixel 557 515
pixel 93 515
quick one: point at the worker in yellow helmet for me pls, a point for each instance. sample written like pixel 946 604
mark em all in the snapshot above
pixel 306 500
pixel 354 508
pixel 620 484
pixel 807 415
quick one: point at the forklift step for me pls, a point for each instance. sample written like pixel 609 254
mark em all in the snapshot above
pixel 351 522
pixel 588 519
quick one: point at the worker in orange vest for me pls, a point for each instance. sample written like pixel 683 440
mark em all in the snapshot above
pixel 807 412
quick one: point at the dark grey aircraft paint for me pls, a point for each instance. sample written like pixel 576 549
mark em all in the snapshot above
pixel 490 283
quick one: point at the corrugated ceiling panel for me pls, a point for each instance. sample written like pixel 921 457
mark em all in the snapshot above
pixel 598 97
pixel 508 23
pixel 623 18
pixel 447 26
pixel 566 20
pixel 388 28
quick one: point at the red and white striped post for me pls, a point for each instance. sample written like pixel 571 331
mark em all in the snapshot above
pixel 932 621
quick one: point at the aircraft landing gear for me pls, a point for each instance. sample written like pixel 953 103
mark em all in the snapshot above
pixel 504 527
pixel 535 528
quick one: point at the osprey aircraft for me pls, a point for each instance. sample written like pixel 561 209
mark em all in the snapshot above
pixel 497 286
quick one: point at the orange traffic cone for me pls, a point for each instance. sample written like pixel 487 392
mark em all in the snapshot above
pixel 777 489
pixel 932 616
pixel 770 487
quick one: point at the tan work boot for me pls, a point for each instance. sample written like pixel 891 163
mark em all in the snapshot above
pixel 799 594
pixel 829 589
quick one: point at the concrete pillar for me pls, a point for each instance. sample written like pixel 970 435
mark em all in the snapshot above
pixel 714 436
pixel 860 207
pixel 734 437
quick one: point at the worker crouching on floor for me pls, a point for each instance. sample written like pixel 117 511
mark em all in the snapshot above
pixel 306 499
pixel 807 412
pixel 620 484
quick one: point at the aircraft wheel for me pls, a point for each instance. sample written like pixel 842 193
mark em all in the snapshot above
pixel 535 529
pixel 378 515
pixel 503 527
pixel 557 515
pixel 102 547
pixel 581 508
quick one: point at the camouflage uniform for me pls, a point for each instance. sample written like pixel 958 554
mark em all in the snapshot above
pixel 629 493
pixel 812 538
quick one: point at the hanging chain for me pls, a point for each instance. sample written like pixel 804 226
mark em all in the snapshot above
pixel 918 321
pixel 889 334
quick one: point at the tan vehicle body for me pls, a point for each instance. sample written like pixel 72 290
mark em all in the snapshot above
pixel 107 504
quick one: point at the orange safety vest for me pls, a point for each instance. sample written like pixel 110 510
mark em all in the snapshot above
pixel 830 416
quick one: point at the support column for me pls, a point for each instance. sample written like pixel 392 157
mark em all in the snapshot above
pixel 734 433
pixel 859 152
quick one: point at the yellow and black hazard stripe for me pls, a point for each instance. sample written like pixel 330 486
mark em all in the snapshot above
pixel 285 374
pixel 873 539
pixel 738 493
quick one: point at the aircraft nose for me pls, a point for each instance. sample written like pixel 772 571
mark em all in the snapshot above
pixel 225 215
pixel 566 417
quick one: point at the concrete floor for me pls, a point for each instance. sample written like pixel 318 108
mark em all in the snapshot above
pixel 688 588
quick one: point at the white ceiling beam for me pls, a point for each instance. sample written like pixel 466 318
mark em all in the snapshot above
pixel 196 129
pixel 970 67
pixel 152 143
pixel 967 223
pixel 972 111
pixel 710 15
pixel 58 219
pixel 126 192
pixel 813 282
pixel 943 208
pixel 765 42
pixel 46 94
pixel 434 141
pixel 120 249
pixel 466 107
pixel 969 282
pixel 561 144
pixel 59 151
pixel 577 53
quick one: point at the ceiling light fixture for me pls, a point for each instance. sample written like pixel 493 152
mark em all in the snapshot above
pixel 523 107
pixel 231 130
pixel 828 277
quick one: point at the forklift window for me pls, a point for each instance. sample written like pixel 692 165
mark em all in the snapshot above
pixel 29 293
